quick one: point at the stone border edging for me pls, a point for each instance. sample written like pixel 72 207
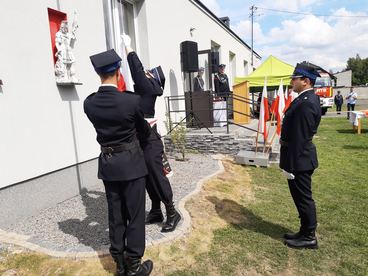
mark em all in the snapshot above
pixel 183 229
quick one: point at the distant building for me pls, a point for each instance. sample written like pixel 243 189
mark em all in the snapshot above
pixel 343 78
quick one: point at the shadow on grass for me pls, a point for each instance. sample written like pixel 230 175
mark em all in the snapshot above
pixel 354 147
pixel 243 218
pixel 351 131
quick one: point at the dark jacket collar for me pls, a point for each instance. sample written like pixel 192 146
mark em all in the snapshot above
pixel 109 88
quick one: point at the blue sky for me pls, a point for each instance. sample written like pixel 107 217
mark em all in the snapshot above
pixel 325 40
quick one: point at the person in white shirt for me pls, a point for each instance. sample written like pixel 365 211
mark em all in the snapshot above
pixel 351 100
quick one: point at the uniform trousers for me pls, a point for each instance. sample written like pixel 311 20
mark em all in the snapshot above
pixel 301 191
pixel 158 185
pixel 126 207
pixel 351 107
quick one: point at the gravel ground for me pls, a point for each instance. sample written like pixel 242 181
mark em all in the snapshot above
pixel 80 223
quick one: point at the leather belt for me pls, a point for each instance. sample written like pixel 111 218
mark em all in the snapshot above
pixel 120 148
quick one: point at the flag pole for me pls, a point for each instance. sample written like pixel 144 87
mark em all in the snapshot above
pixel 273 137
pixel 257 137
pixel 265 137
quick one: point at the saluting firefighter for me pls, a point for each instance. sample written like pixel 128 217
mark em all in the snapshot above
pixel 149 85
pixel 298 155
pixel 117 118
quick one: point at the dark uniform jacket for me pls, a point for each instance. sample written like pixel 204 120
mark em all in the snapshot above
pixel 117 118
pixel 339 100
pixel 147 88
pixel 300 123
pixel 198 84
pixel 221 84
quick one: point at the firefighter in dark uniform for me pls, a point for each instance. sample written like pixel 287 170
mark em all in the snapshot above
pixel 222 88
pixel 221 81
pixel 149 85
pixel 298 155
pixel 117 118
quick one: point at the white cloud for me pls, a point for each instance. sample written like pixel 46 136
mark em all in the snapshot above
pixel 212 5
pixel 292 5
pixel 328 42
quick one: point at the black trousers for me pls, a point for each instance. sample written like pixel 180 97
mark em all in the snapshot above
pixel 338 107
pixel 351 107
pixel 158 185
pixel 301 191
pixel 126 205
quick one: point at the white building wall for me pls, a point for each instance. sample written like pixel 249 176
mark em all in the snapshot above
pixel 43 126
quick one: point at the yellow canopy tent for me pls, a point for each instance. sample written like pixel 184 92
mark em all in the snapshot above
pixel 273 69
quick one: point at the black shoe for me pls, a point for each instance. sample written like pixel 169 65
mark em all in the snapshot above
pixel 173 218
pixel 135 268
pixel 120 265
pixel 154 216
pixel 304 241
pixel 292 236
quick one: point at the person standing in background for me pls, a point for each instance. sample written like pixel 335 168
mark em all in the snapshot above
pixel 198 81
pixel 351 101
pixel 339 100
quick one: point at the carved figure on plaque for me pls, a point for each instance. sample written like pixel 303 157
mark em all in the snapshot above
pixel 64 42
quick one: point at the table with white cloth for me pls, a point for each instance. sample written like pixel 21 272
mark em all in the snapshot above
pixel 355 119
pixel 219 113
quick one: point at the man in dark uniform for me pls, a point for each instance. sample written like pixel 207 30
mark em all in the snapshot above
pixel 149 85
pixel 222 88
pixel 339 100
pixel 298 156
pixel 221 81
pixel 117 118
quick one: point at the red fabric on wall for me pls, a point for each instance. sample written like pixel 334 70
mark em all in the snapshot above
pixel 55 18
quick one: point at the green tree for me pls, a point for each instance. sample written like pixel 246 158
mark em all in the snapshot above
pixel 359 69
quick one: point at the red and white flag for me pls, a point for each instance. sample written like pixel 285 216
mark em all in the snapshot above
pixel 264 114
pixel 288 99
pixel 274 104
pixel 280 107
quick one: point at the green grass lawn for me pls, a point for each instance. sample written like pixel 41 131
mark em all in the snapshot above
pixel 340 187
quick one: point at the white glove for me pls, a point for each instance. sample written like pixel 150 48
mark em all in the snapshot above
pixel 288 175
pixel 126 40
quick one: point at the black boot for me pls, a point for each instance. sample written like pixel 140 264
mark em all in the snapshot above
pixel 120 265
pixel 306 240
pixel 135 268
pixel 292 236
pixel 173 218
pixel 154 216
